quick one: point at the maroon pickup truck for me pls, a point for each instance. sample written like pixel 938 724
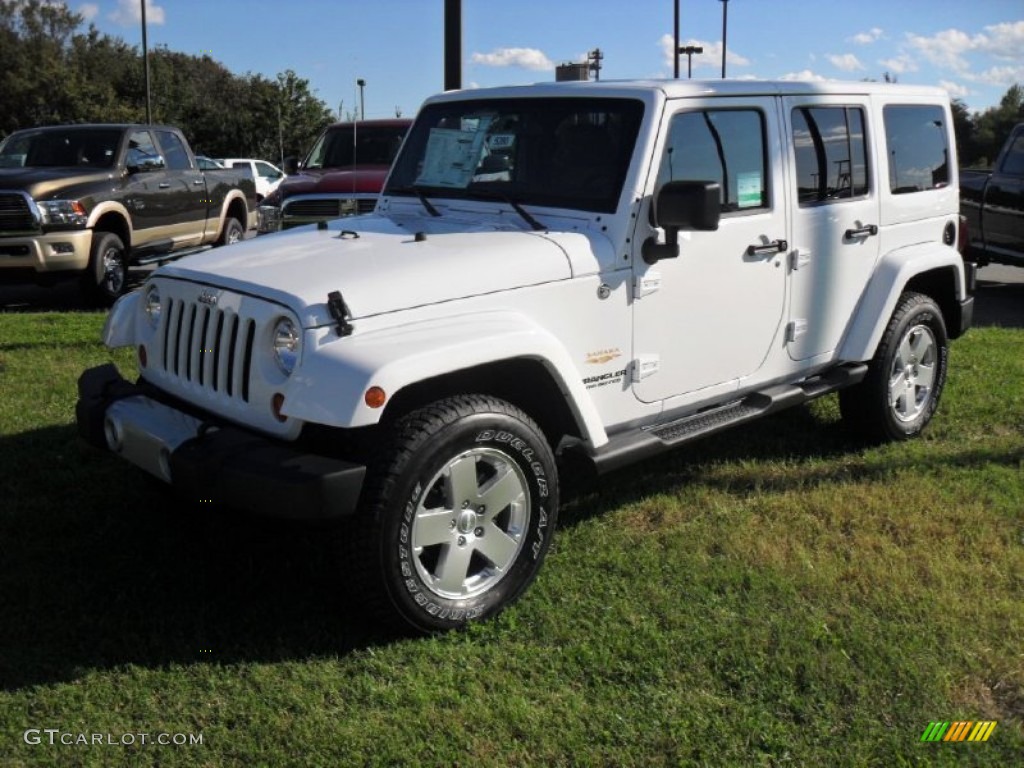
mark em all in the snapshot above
pixel 993 204
pixel 343 174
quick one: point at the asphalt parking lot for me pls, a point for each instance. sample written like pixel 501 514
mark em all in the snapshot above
pixel 999 301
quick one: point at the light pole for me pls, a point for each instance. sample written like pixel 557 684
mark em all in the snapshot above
pixel 675 57
pixel 725 27
pixel 362 101
pixel 145 60
pixel 689 50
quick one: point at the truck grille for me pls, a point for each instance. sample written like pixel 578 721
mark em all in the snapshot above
pixel 208 347
pixel 15 213
pixel 328 208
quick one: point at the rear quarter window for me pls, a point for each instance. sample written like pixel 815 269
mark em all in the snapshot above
pixel 918 150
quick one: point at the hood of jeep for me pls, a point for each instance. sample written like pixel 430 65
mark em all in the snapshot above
pixel 383 268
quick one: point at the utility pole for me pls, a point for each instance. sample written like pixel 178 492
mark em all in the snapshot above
pixel 145 60
pixel 452 45
pixel 362 101
pixel 594 62
pixel 725 27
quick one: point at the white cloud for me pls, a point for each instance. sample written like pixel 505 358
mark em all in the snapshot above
pixel 955 90
pixel 899 64
pixel 948 49
pixel 1003 76
pixel 866 38
pixel 527 58
pixel 89 11
pixel 847 62
pixel 129 13
pixel 710 58
pixel 805 74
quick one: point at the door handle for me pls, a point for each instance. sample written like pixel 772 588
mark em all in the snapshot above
pixel 868 231
pixel 198 182
pixel 768 249
pixel 164 185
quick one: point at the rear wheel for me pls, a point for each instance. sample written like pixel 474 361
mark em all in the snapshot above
pixel 106 277
pixel 905 381
pixel 232 233
pixel 459 514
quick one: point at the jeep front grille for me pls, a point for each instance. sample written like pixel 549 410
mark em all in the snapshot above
pixel 208 347
pixel 16 214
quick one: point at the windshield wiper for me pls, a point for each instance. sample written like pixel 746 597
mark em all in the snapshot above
pixel 535 225
pixel 418 191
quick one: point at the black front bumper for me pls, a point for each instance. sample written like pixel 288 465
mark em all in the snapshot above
pixel 212 464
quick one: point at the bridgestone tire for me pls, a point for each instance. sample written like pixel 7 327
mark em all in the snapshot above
pixel 458 515
pixel 233 232
pixel 906 377
pixel 106 277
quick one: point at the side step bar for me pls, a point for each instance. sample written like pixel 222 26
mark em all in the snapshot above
pixel 643 442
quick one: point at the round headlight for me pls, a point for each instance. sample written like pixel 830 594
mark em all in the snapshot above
pixel 286 345
pixel 152 305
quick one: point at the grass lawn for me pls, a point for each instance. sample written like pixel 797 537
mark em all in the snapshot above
pixel 780 595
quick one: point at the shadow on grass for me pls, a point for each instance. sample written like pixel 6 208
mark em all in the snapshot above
pixel 796 436
pixel 99 568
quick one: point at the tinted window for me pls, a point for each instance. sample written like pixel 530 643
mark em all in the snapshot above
pixel 725 146
pixel 340 147
pixel 1013 163
pixel 175 154
pixel 918 153
pixel 831 154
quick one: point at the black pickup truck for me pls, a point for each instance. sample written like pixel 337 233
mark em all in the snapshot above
pixel 89 201
pixel 993 203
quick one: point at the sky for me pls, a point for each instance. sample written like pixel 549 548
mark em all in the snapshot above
pixel 972 48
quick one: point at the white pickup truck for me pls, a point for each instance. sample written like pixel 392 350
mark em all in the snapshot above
pixel 598 270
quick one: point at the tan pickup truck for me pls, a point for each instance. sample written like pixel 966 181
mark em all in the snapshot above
pixel 90 201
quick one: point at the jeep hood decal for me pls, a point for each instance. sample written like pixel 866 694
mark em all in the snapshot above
pixel 383 268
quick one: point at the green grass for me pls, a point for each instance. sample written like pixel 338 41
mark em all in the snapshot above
pixel 779 595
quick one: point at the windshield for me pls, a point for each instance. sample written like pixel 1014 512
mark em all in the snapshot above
pixel 559 152
pixel 342 146
pixel 90 147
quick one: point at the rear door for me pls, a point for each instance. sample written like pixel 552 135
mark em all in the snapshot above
pixel 835 219
pixel 1003 214
pixel 186 199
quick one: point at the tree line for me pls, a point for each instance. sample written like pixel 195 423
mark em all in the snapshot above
pixel 51 71
pixel 979 137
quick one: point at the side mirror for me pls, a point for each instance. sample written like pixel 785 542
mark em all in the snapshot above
pixel 682 205
pixel 139 161
pixel 291 165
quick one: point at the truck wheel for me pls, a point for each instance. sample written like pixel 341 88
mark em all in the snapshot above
pixel 233 232
pixel 107 274
pixel 905 380
pixel 458 516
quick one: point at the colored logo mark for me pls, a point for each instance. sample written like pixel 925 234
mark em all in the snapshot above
pixel 961 730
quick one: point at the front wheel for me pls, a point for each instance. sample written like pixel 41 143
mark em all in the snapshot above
pixel 106 277
pixel 906 377
pixel 459 516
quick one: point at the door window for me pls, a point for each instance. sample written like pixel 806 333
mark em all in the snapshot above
pixel 722 145
pixel 831 154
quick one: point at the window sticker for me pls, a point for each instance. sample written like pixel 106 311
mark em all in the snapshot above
pixel 748 189
pixel 452 154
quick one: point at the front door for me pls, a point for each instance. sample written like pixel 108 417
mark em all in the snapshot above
pixel 835 219
pixel 709 317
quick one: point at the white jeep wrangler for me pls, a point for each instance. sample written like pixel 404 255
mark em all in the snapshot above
pixel 601 269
